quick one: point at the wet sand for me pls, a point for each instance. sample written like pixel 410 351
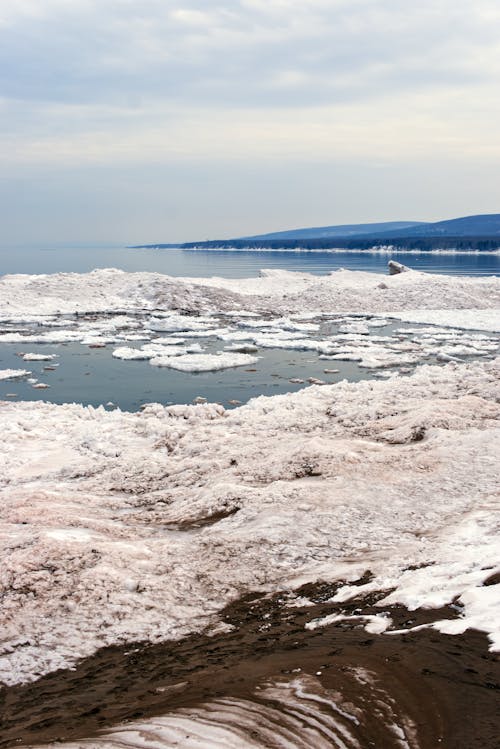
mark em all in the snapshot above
pixel 445 687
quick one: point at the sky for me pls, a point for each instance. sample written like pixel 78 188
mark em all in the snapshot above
pixel 137 121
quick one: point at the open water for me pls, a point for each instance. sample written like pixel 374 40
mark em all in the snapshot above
pixel 234 264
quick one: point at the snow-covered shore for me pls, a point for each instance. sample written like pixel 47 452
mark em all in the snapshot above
pixel 119 527
pixel 24 297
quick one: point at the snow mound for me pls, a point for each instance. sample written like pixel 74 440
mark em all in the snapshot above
pixel 281 293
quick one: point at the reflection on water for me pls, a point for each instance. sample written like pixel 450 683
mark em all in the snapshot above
pixel 230 264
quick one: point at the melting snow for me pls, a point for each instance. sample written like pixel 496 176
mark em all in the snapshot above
pixel 398 476
pixel 302 476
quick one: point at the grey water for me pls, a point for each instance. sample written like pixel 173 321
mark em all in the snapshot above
pixel 233 264
pixel 92 376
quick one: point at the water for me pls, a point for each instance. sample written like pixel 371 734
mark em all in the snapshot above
pixel 93 376
pixel 233 264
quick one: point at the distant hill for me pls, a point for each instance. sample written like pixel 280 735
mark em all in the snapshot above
pixel 487 225
pixel 343 230
pixel 480 233
pixel 468 226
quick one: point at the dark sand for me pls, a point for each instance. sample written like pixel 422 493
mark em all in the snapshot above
pixel 448 686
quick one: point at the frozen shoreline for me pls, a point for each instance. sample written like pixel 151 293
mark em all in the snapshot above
pixel 143 527
pixel 277 292
pixel 124 527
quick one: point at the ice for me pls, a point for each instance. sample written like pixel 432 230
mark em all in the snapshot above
pixel 282 323
pixel 290 306
pixel 39 357
pixel 242 348
pixel 374 624
pixel 297 344
pixel 472 319
pixel 320 484
pixel 359 328
pixel 133 354
pixel 173 323
pixel 155 350
pixel 168 341
pixel 13 374
pixel 62 336
pixel 396 476
pixel 280 293
pixel 204 362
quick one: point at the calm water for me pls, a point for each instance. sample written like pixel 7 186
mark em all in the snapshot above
pixel 93 376
pixel 230 264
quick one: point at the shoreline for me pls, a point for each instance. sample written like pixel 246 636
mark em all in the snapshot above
pixel 422 688
pixel 383 250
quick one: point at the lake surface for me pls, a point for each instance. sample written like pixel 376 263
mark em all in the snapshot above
pixel 234 264
pixel 94 377
pixel 79 373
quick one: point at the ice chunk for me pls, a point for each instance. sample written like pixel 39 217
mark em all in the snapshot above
pixel 204 362
pixel 39 357
pixel 13 374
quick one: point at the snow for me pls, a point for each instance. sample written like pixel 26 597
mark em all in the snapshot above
pixel 13 374
pixel 281 293
pixel 323 484
pixel 39 357
pixel 396 476
pixel 374 624
pixel 204 362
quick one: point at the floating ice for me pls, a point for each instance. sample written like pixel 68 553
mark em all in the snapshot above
pixel 133 354
pixel 13 374
pixel 204 362
pixel 39 357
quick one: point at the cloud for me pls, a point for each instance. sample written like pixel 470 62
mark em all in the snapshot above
pixel 118 82
pixel 241 53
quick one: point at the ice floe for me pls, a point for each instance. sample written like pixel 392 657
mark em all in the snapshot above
pixel 39 357
pixel 203 362
pixel 13 374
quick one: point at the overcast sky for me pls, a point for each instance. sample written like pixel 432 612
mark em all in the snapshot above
pixel 156 120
